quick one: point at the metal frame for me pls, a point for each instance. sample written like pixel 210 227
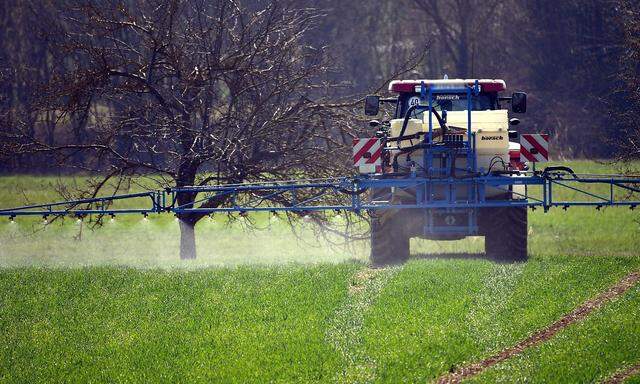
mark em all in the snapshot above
pixel 91 206
pixel 350 193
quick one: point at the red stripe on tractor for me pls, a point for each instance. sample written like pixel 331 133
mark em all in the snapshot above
pixel 536 145
pixel 545 137
pixel 363 150
pixel 375 155
pixel 527 155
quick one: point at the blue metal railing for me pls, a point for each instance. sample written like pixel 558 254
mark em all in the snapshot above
pixel 432 189
pixel 354 194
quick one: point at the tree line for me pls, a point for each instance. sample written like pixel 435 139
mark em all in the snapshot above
pixel 578 60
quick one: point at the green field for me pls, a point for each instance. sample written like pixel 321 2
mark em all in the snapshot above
pixel 116 304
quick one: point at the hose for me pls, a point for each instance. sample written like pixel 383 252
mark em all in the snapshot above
pixel 547 170
pixel 407 115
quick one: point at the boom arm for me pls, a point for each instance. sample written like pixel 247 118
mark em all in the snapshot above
pixel 351 194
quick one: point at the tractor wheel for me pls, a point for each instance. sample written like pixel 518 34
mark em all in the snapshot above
pixel 505 233
pixel 389 239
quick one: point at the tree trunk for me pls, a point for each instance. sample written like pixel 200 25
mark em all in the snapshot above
pixel 187 240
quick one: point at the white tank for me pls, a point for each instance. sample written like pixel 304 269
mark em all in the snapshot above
pixel 491 139
pixel 492 149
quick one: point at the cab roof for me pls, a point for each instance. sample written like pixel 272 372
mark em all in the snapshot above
pixel 486 85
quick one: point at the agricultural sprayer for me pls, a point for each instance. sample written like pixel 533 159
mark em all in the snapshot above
pixel 446 166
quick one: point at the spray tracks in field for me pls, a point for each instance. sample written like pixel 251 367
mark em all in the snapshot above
pixel 547 333
pixel 345 327
pixel 624 374
pixel 498 286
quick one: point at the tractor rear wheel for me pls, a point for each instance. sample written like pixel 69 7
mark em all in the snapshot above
pixel 389 239
pixel 505 233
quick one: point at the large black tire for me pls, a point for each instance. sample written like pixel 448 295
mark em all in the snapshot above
pixel 505 233
pixel 389 239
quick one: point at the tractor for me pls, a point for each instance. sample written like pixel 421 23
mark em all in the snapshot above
pixel 428 136
pixel 446 166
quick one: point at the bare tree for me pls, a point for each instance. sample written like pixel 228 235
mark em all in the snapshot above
pixel 192 93
pixel 568 55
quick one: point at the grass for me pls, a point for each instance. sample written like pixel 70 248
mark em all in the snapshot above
pixel 118 325
pixel 584 231
pixel 155 244
pixel 585 352
pixel 437 315
pixel 116 304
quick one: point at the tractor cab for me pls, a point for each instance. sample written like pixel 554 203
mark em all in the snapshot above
pixel 409 94
pixel 467 111
pixel 487 98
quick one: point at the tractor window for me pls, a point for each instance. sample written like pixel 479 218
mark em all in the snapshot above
pixel 450 102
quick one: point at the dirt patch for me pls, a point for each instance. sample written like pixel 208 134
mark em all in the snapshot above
pixel 544 334
pixel 623 375
pixel 360 280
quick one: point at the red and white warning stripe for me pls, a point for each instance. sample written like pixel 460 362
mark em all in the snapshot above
pixel 367 154
pixel 534 147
